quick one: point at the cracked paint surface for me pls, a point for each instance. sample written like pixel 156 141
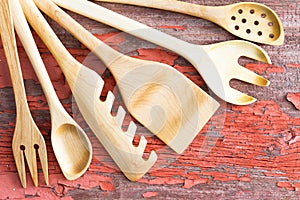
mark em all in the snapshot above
pixel 242 152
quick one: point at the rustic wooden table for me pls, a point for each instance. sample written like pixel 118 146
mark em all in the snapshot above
pixel 244 152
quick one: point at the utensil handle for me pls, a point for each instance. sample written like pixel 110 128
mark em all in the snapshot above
pixel 205 12
pixel 11 53
pixel 106 16
pixel 105 52
pixel 45 32
pixel 24 33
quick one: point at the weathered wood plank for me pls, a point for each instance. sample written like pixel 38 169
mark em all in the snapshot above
pixel 244 152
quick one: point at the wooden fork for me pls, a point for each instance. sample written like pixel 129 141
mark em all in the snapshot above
pixel 27 139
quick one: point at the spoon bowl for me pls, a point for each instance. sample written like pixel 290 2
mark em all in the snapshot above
pixel 256 21
pixel 71 149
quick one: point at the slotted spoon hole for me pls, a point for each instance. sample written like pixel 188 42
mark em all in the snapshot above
pixel 263 15
pixel 248 31
pixel 244 20
pixel 271 35
pixel 259 33
pixel 22 147
pixel 270 24
pixel 236 27
pixel 233 18
pixel 256 23
pixel 36 146
pixel 252 11
pixel 240 11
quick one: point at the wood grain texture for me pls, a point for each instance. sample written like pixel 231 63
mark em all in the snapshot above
pixel 71 146
pixel 244 152
pixel 86 86
pixel 251 21
pixel 162 99
pixel 27 141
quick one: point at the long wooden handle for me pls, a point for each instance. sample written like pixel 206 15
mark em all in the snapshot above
pixel 10 49
pixel 24 33
pixel 103 51
pixel 106 16
pixel 205 12
pixel 45 32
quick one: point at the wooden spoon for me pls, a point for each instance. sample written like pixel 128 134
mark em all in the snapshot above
pixel 166 102
pixel 251 21
pixel 70 144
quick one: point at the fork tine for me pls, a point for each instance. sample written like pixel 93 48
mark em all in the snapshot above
pixel 42 152
pixel 20 164
pixel 252 51
pixel 249 76
pixel 238 97
pixel 30 156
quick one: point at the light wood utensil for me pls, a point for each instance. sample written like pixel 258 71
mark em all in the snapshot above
pixel 251 21
pixel 71 145
pixel 27 140
pixel 217 63
pixel 86 86
pixel 157 95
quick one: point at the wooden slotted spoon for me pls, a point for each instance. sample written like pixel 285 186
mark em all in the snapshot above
pixel 217 63
pixel 71 145
pixel 251 21
pixel 158 96
pixel 28 141
pixel 86 86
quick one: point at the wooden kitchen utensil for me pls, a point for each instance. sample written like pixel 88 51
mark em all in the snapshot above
pixel 251 21
pixel 27 140
pixel 86 86
pixel 71 146
pixel 217 63
pixel 146 85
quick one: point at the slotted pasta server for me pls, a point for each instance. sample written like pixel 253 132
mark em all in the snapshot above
pixel 166 102
pixel 217 63
pixel 248 20
pixel 86 86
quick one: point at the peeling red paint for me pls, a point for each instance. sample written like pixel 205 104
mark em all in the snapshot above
pixel 173 27
pixel 255 137
pixel 295 99
pixel 293 65
pixel 190 183
pixel 150 194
